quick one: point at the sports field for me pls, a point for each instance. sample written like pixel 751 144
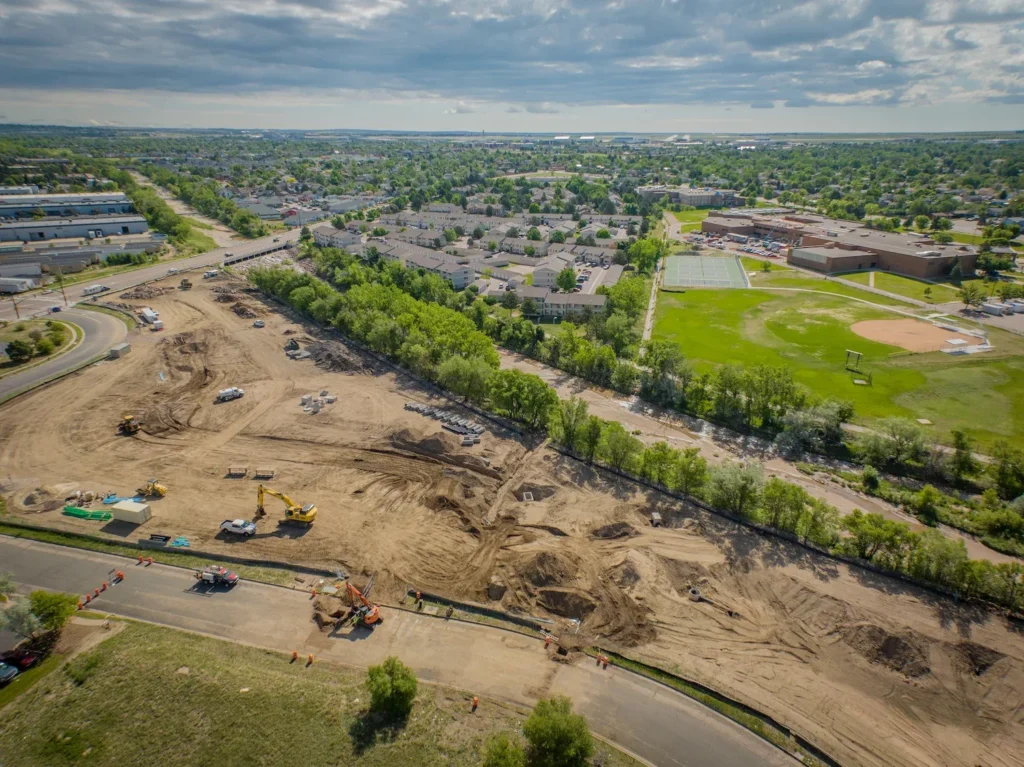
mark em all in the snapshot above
pixel 703 272
pixel 810 333
pixel 691 219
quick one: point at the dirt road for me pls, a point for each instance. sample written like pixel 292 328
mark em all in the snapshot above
pixel 662 726
pixel 221 234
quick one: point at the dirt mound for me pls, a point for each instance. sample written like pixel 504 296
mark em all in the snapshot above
pixel 45 497
pixel 145 292
pixel 188 343
pixel 438 445
pixel 245 310
pixel 227 298
pixel 549 569
pixel 539 492
pixel 903 653
pixel 328 612
pixel 568 603
pixel 626 574
pixel 976 658
pixel 334 356
pixel 615 530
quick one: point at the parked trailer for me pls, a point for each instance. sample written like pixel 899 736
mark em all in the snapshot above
pixel 148 315
pixel 997 308
pixel 94 289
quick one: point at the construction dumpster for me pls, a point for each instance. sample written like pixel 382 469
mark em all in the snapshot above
pixel 130 511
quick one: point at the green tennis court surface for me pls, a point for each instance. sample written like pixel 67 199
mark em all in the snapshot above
pixel 704 272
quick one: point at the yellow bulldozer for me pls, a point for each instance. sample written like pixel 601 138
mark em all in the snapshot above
pixel 294 513
pixel 129 426
pixel 152 489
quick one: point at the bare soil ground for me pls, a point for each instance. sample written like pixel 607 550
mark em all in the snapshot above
pixel 874 672
pixel 912 335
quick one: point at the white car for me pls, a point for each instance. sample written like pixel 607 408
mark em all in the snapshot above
pixel 172 271
pixel 259 324
pixel 241 527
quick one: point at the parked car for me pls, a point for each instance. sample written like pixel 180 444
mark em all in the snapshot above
pixel 21 659
pixel 172 271
pixel 259 324
pixel 215 575
pixel 7 673
pixel 54 309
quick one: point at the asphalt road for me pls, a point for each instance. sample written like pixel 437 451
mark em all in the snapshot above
pixel 654 722
pixel 100 332
pixel 36 303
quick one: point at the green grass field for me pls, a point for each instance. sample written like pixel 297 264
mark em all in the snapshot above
pixel 790 278
pixel 983 394
pixel 150 695
pixel 20 330
pixel 691 219
pixel 906 286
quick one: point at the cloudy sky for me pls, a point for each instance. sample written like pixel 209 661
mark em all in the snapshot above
pixel 523 65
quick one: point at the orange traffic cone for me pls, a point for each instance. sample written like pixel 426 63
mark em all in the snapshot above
pixel 103 586
pixel 310 659
pixel 295 655
pixel 476 702
pixel 140 559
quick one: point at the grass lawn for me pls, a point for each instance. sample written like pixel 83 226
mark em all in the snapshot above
pixel 983 394
pixel 790 278
pixel 757 265
pixel 906 286
pixel 129 701
pixel 966 238
pixel 691 219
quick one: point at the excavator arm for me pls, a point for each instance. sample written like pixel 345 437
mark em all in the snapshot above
pixel 303 515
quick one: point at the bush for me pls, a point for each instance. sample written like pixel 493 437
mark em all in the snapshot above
pixel 44 346
pixel 871 479
pixel 502 751
pixel 53 608
pixel 19 328
pixel 19 351
pixel 392 687
pixel 556 737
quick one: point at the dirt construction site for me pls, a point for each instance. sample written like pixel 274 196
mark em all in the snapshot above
pixel 871 670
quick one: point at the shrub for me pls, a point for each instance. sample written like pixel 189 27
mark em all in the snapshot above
pixel 871 479
pixel 556 737
pixel 53 608
pixel 392 687
pixel 44 346
pixel 502 751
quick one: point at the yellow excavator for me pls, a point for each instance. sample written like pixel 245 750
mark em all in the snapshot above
pixel 294 513
pixel 152 489
pixel 129 426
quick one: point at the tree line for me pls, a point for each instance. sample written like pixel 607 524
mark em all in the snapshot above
pixel 204 196
pixel 443 345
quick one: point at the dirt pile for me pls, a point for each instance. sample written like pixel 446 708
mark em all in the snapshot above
pixel 615 530
pixel 549 569
pixel 976 658
pixel 145 292
pixel 567 603
pixel 334 356
pixel 245 311
pixel 904 653
pixel 443 447
pixel 329 611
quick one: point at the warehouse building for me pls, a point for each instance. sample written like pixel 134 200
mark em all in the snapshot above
pixel 96 204
pixel 16 284
pixel 88 227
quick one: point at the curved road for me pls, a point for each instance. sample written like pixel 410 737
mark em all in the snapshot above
pixel 661 726
pixel 100 332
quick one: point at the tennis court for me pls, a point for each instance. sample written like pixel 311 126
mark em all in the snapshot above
pixel 704 272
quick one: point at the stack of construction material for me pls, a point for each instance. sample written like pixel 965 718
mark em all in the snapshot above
pixel 470 431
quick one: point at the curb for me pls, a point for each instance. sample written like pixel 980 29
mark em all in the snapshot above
pixel 79 337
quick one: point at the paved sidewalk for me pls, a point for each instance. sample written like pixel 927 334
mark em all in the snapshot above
pixel 654 722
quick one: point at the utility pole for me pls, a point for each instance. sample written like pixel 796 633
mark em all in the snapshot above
pixel 60 278
pixel 15 305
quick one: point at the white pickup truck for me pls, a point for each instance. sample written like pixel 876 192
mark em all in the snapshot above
pixel 238 527
pixel 226 395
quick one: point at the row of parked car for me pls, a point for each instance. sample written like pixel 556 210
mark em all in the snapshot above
pixel 14 662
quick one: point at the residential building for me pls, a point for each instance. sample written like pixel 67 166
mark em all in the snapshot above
pixel 694 197
pixel 568 304
pixel 6 191
pixel 326 236
pixel 547 270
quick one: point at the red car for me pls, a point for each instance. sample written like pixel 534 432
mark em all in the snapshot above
pixel 21 659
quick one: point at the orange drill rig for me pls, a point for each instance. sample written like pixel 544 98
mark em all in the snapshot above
pixel 365 612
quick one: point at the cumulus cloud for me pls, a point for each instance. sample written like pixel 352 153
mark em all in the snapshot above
pixel 461 108
pixel 644 52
